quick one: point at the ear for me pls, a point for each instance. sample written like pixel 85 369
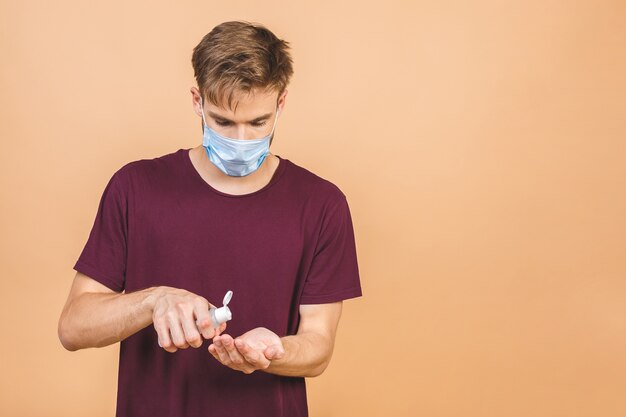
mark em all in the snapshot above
pixel 282 101
pixel 196 100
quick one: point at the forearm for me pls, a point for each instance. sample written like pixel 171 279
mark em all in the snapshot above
pixel 99 319
pixel 306 354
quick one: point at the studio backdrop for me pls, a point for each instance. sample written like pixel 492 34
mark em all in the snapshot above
pixel 481 146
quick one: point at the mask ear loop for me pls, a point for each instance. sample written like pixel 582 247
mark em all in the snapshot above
pixel 202 111
pixel 275 119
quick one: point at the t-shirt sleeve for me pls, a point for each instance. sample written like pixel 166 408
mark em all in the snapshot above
pixel 334 272
pixel 104 256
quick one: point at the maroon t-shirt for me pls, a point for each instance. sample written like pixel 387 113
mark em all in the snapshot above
pixel 289 243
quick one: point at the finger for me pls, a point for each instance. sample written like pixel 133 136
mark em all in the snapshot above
pixel 165 341
pixel 178 337
pixel 192 336
pixel 203 318
pixel 251 355
pixel 223 356
pixel 205 327
pixel 274 352
pixel 235 357
pixel 220 329
pixel 213 351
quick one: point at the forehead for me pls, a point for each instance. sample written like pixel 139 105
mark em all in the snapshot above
pixel 245 105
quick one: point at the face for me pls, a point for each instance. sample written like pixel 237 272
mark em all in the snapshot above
pixel 252 119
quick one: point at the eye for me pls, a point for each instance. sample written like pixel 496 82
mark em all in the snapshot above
pixel 255 124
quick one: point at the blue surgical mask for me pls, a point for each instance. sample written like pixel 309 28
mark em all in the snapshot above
pixel 235 157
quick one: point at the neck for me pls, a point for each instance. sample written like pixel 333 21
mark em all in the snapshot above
pixel 231 184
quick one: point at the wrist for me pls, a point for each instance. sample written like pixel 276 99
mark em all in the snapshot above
pixel 153 295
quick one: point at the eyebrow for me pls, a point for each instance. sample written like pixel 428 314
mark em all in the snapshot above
pixel 258 119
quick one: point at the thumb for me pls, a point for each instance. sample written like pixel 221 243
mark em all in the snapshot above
pixel 275 352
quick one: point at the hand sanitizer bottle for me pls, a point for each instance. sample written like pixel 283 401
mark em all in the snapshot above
pixel 222 314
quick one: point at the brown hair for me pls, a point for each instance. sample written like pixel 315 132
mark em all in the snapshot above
pixel 240 56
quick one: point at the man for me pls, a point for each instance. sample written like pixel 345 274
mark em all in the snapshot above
pixel 173 232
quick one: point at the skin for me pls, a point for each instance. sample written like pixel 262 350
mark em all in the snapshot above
pixel 96 316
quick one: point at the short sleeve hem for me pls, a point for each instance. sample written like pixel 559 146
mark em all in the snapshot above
pixel 97 275
pixel 331 298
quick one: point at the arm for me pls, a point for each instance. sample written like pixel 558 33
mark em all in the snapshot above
pixel 306 354
pixel 96 316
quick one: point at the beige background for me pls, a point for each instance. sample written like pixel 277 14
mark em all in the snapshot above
pixel 482 147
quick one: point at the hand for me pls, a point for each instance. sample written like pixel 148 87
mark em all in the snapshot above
pixel 181 318
pixel 249 352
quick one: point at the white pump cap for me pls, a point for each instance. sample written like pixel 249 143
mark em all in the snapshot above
pixel 222 314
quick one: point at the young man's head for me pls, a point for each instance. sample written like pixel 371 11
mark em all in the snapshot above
pixel 242 70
